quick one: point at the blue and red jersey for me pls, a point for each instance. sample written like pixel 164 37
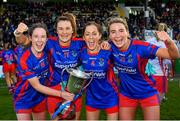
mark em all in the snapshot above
pixel 100 93
pixel 61 57
pixel 19 50
pixel 18 53
pixel 8 56
pixel 30 66
pixel 134 82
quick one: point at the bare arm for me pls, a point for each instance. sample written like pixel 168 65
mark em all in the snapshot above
pixel 48 91
pixel 20 37
pixel 171 52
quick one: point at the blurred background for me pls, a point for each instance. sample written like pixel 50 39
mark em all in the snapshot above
pixel 140 14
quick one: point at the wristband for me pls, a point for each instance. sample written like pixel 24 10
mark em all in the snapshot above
pixel 17 34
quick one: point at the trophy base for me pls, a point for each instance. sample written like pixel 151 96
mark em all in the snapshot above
pixel 67 111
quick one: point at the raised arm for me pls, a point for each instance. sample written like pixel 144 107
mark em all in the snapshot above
pixel 171 52
pixel 20 37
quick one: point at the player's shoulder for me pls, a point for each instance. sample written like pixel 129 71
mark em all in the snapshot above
pixel 77 39
pixel 26 54
pixel 52 38
pixel 139 42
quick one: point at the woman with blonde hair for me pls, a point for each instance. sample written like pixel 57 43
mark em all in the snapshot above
pixel 159 65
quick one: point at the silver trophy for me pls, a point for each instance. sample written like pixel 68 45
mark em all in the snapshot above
pixel 77 82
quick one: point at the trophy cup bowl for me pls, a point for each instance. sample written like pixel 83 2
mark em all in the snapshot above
pixel 77 80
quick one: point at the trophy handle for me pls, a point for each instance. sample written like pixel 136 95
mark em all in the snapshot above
pixel 92 76
pixel 62 83
pixel 81 91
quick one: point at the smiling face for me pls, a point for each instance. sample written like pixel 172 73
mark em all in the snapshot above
pixel 39 39
pixel 64 30
pixel 119 35
pixel 92 37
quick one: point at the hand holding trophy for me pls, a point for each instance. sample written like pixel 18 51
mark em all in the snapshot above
pixel 78 81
